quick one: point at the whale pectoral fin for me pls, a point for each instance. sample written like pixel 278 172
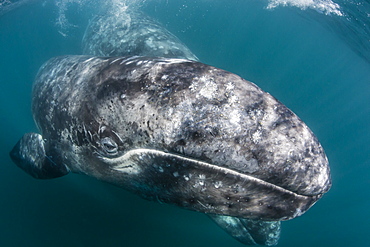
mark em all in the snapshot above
pixel 248 231
pixel 29 154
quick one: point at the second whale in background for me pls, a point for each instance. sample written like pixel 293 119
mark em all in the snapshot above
pixel 131 33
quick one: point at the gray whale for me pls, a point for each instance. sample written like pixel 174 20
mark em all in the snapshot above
pixel 133 33
pixel 176 131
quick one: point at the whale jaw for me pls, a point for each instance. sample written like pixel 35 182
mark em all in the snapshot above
pixel 204 187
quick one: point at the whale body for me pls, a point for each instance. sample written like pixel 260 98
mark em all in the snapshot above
pixel 176 131
pixel 173 130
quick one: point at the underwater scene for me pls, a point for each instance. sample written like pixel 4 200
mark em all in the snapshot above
pixel 197 123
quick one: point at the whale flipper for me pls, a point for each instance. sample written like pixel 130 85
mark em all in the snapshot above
pixel 248 231
pixel 29 154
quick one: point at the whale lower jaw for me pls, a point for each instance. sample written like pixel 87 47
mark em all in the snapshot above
pixel 204 187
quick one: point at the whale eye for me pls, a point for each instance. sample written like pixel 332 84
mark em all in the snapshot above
pixel 109 145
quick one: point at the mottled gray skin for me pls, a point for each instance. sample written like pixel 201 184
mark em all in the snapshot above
pixel 176 131
pixel 131 33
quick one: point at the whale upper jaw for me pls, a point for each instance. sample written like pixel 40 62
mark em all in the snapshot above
pixel 204 187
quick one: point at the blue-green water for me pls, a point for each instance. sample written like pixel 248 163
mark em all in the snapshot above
pixel 315 63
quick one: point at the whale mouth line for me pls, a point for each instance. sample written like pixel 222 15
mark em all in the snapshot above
pixel 128 163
